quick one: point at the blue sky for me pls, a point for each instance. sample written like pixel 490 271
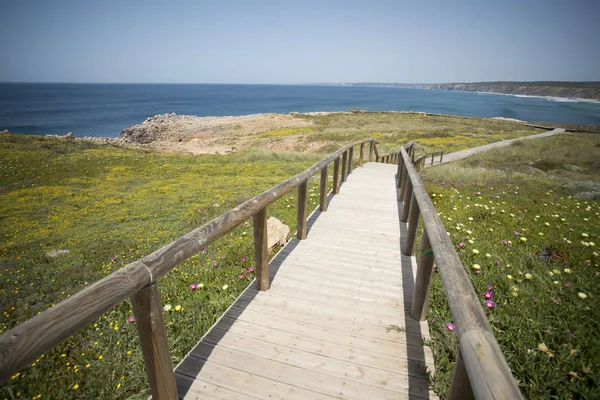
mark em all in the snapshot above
pixel 225 41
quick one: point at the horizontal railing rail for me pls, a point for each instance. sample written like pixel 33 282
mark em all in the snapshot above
pixel 22 344
pixel 481 371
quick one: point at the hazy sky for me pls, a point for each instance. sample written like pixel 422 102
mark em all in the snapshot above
pixel 280 41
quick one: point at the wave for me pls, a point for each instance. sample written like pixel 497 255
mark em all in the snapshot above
pixel 549 98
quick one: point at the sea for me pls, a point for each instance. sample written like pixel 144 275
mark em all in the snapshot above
pixel 103 110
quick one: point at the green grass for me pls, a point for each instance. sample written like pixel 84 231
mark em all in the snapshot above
pixel 109 206
pixel 537 247
pixel 430 132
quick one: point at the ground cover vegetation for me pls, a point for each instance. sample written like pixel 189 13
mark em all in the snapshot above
pixel 531 251
pixel 111 205
pixel 431 132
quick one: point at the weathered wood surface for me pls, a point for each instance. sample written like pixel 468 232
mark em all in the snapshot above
pixel 150 322
pixel 323 329
pixel 489 373
pixel 21 345
pixel 261 249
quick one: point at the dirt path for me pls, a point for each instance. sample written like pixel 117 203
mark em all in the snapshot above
pixel 459 155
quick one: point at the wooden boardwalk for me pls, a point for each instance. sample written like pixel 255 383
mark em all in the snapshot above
pixel 335 322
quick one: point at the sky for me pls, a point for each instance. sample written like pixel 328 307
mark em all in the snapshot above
pixel 281 42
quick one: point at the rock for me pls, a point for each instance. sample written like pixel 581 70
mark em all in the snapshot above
pixel 277 232
pixel 588 195
pixel 4 132
pixel 582 186
pixel 56 253
pixel 572 168
pixel 68 136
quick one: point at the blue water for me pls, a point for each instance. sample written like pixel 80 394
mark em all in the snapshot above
pixel 105 109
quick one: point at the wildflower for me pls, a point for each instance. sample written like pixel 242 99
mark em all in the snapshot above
pixel 554 301
pixel 251 269
pixel 131 319
pixel 243 259
pixel 178 308
pixel 582 295
pixel 488 295
pixel 535 299
pixel 476 266
pixel 556 282
pixel 516 233
pixel 240 276
pixel 542 347
pixel 567 270
pixel 75 386
pixel 523 239
pixel 509 277
pixel 205 250
pixel 488 255
pixel 489 304
pixel 528 276
pixel 461 244
pixel 490 287
pixel 99 357
pixel 567 285
pixel 584 235
pixel 592 244
pixel 225 287
pixel 475 251
pixel 450 326
pixel 471 241
pixel 497 262
pixel 167 307
pixel 194 286
pixel 215 264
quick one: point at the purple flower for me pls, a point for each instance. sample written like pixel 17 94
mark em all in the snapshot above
pixel 113 258
pixel 489 304
pixel 204 250
pixel 240 276
pixel 251 269
pixel 194 286
pixel 490 287
pixel 461 244
pixel 534 298
pixel 488 295
pixel 450 326
pixel 505 242
pixel 131 319
pixel 553 301
pixel 497 262
pixel 516 233
pixel 243 259
pixel 568 285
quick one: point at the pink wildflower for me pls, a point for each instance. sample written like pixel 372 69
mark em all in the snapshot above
pixel 131 319
pixel 488 295
pixel 240 276
pixel 243 259
pixel 489 304
pixel 194 286
pixel 450 326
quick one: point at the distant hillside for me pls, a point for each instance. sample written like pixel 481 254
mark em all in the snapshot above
pixel 581 90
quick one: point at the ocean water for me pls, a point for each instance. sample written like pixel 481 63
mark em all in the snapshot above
pixel 105 109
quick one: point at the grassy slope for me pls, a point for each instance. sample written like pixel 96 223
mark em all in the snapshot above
pixel 492 198
pixel 432 133
pixel 109 206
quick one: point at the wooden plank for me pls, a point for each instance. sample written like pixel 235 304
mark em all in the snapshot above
pixel 150 323
pixel 317 363
pixel 302 210
pixel 261 249
pixel 198 389
pixel 242 380
pixel 323 190
pixel 292 375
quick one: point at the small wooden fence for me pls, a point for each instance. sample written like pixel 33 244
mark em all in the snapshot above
pixel 481 371
pixel 24 343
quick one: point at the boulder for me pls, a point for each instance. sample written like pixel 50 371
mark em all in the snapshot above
pixel 277 232
pixel 56 253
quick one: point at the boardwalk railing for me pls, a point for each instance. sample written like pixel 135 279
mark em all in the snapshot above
pixel 24 343
pixel 481 370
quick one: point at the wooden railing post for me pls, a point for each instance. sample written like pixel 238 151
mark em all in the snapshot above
pixel 350 157
pixel 441 156
pixel 362 155
pixel 405 180
pixel 413 222
pixel 432 155
pixel 150 322
pixel 406 200
pixel 323 187
pixel 399 171
pixel 302 209
pixel 336 176
pixel 344 166
pixel 371 149
pixel 460 387
pixel 420 300
pixel 261 249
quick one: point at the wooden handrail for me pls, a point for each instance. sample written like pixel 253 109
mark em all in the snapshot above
pixel 480 356
pixel 22 344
